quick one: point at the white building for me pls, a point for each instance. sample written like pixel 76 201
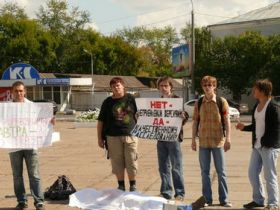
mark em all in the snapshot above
pixel 265 20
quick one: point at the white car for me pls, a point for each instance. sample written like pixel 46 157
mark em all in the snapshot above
pixel 189 107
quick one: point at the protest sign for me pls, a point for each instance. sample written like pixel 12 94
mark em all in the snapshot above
pixel 159 118
pixel 25 125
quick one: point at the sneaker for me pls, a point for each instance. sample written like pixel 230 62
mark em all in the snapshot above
pixel 132 188
pixel 252 205
pixel 179 198
pixel 275 207
pixel 40 206
pixel 227 204
pixel 122 188
pixel 207 204
pixel 22 205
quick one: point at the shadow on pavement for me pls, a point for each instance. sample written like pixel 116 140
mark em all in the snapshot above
pixel 6 208
pixel 48 201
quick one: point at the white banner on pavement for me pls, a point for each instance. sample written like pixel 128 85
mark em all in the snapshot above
pixel 159 118
pixel 113 199
pixel 25 125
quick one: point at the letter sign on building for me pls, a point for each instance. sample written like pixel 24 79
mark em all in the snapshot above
pixel 20 71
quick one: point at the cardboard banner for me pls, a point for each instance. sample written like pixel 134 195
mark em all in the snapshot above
pixel 159 118
pixel 25 125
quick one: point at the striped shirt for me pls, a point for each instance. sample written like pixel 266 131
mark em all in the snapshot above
pixel 210 125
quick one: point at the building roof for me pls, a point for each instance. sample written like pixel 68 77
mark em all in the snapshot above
pixel 271 11
pixel 47 75
pixel 101 82
pixel 131 82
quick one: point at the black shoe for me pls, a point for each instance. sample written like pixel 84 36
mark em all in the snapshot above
pixel 40 206
pixel 132 188
pixel 167 197
pixel 22 205
pixel 122 188
pixel 252 205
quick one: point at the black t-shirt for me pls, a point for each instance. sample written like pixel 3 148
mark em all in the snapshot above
pixel 118 115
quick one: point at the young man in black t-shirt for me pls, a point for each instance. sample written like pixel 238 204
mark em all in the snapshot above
pixel 115 122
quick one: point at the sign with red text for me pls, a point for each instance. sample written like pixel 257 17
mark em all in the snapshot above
pixel 159 118
pixel 25 125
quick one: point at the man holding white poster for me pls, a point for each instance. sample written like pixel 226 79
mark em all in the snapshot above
pixel 30 156
pixel 162 119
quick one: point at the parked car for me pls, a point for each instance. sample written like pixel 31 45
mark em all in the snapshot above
pixel 55 108
pixel 189 107
pixel 243 108
pixel 233 104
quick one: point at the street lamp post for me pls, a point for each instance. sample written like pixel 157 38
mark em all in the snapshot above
pixel 91 63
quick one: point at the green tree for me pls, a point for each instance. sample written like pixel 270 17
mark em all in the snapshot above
pixel 271 70
pixel 59 20
pixel 236 61
pixel 13 10
pixel 157 41
pixel 23 40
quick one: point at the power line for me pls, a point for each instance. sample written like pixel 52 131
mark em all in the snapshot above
pixel 165 20
pixel 211 15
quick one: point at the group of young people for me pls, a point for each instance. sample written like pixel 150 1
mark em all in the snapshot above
pixel 211 126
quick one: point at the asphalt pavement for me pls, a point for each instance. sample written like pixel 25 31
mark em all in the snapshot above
pixel 77 156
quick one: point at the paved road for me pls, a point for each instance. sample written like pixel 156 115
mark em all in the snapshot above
pixel 78 157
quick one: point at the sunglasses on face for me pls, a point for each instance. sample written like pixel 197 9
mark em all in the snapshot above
pixel 207 85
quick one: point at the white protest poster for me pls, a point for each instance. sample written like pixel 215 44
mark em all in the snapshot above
pixel 25 125
pixel 159 118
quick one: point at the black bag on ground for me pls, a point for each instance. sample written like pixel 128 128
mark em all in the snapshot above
pixel 61 189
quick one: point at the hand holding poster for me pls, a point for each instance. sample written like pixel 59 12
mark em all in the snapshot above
pixel 159 118
pixel 25 125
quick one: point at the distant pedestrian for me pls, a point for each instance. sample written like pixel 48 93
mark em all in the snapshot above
pixel 170 154
pixel 265 130
pixel 115 122
pixel 17 156
pixel 211 121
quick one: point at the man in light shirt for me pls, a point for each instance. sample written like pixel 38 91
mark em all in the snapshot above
pixel 31 159
pixel 265 129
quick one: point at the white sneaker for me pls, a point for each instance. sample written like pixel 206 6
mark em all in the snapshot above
pixel 227 204
pixel 274 207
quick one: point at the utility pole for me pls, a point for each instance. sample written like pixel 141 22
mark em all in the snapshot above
pixel 192 52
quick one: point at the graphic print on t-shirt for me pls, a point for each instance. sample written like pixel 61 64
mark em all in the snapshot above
pixel 122 112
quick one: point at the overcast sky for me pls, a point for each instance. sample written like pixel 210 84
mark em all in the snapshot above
pixel 109 15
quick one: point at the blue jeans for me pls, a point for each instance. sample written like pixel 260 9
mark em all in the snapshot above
pixel 170 168
pixel 219 162
pixel 32 166
pixel 265 158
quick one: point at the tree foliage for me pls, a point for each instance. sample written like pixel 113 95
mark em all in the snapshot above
pixel 157 42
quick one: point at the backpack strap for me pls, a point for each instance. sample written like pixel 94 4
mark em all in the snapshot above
pixel 199 102
pixel 220 107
